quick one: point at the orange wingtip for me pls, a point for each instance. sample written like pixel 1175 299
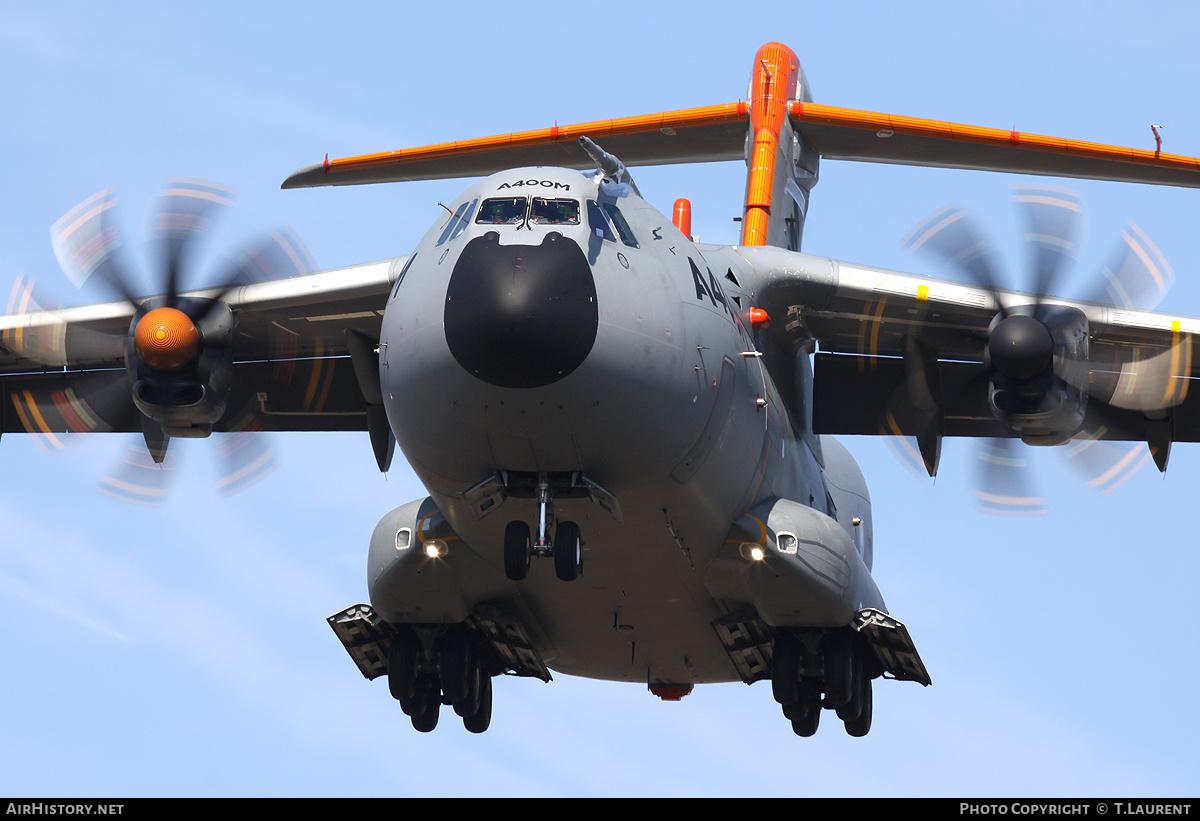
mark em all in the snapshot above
pixel 886 125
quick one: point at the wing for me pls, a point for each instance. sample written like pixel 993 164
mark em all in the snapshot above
pixel 903 354
pixel 293 350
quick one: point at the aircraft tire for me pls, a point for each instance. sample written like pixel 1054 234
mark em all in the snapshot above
pixel 785 668
pixel 860 725
pixel 402 664
pixel 568 551
pixel 454 661
pixel 518 549
pixel 470 703
pixel 807 726
pixel 424 691
pixel 425 720
pixel 839 670
pixel 808 698
pixel 481 719
pixel 858 682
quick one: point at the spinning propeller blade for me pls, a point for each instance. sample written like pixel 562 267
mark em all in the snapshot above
pixel 1035 357
pixel 173 346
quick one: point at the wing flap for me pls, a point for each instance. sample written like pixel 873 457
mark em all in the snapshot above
pixel 314 394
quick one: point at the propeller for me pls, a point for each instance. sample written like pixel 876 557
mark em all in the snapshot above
pixel 1044 379
pixel 178 349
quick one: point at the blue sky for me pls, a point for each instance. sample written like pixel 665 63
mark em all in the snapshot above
pixel 183 651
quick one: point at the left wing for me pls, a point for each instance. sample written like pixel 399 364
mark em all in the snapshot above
pixel 909 355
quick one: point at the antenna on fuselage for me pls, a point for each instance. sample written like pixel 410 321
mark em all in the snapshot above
pixel 610 167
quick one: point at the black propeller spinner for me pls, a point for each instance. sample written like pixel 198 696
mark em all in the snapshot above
pixel 1040 373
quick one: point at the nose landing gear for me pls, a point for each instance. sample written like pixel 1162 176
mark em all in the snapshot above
pixel 568 551
pixel 520 547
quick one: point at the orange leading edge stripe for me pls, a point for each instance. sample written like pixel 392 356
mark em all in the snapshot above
pixel 598 130
pixel 957 132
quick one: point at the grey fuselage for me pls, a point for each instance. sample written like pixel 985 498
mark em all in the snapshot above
pixel 623 355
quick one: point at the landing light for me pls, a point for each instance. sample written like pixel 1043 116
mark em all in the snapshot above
pixel 435 548
pixel 752 551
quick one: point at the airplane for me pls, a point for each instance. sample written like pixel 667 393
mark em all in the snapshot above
pixel 574 379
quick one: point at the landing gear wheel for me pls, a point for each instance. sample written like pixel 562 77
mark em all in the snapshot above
pixel 454 662
pixel 470 703
pixel 425 691
pixel 568 551
pixel 481 718
pixel 839 670
pixel 402 665
pixel 517 550
pixel 852 708
pixel 810 699
pixel 785 668
pixel 861 724
pixel 425 720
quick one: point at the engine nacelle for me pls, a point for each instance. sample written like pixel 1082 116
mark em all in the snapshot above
pixel 187 402
pixel 1037 355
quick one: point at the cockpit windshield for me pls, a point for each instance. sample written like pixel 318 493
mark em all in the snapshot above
pixel 502 211
pixel 554 211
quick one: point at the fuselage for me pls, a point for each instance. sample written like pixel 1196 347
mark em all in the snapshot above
pixel 555 325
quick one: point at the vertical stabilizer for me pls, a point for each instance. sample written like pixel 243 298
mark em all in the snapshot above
pixel 782 167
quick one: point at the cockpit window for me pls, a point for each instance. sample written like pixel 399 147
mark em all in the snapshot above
pixel 622 226
pixel 598 222
pixel 502 211
pixel 554 212
pixel 458 221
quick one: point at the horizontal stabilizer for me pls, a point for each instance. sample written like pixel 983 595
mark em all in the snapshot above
pixel 868 136
pixel 716 133
pixel 706 134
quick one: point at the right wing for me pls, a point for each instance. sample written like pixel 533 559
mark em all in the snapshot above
pixel 64 370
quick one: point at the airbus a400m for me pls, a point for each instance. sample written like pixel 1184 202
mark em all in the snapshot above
pixel 626 436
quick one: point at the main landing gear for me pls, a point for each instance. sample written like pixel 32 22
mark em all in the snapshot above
pixel 520 547
pixel 806 664
pixel 429 666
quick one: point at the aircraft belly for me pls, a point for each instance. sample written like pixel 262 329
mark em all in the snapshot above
pixel 639 612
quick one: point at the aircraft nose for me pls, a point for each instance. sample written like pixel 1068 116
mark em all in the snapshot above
pixel 521 316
